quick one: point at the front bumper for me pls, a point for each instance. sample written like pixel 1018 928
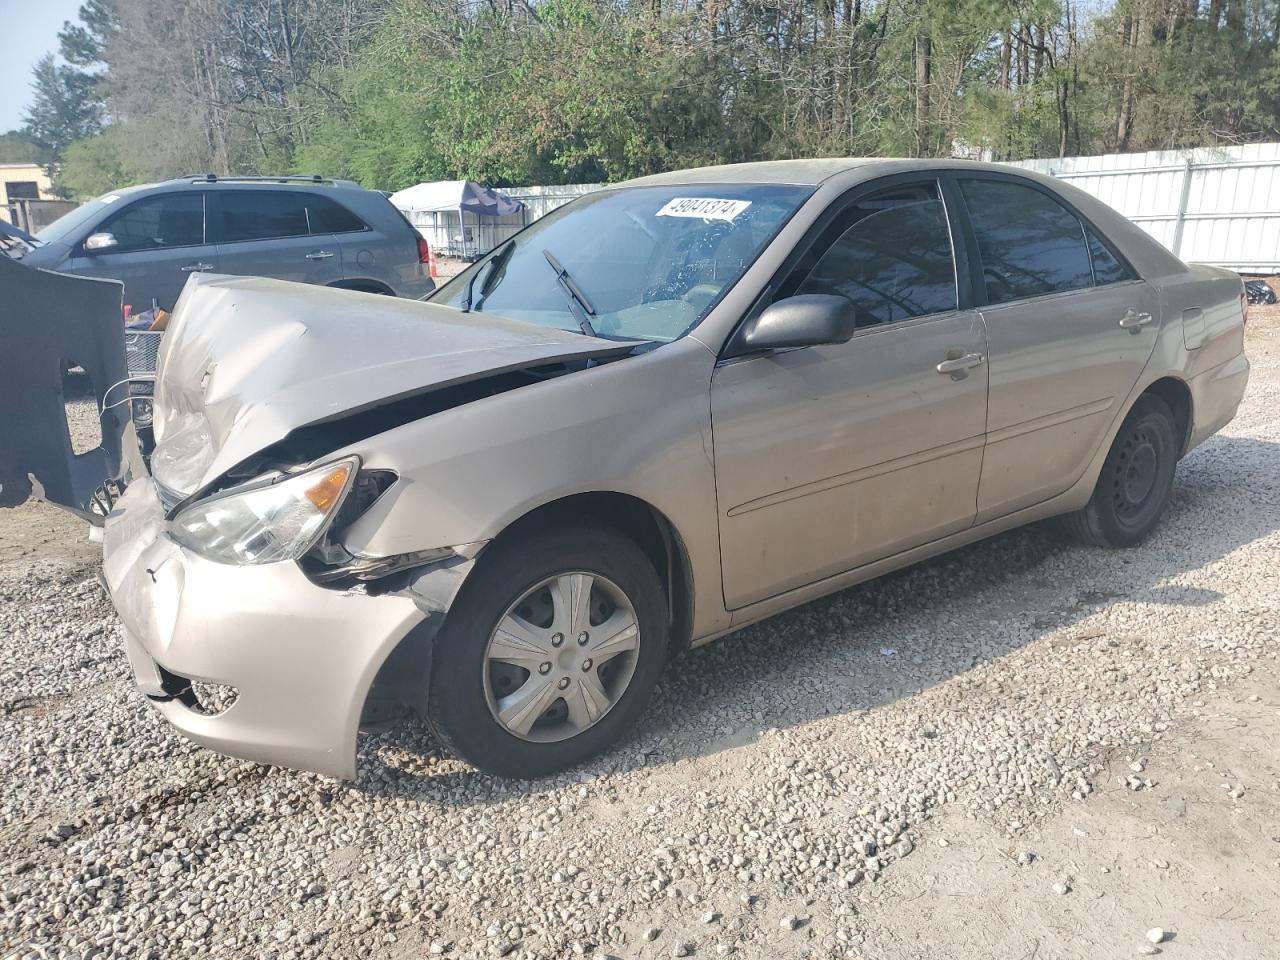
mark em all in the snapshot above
pixel 301 657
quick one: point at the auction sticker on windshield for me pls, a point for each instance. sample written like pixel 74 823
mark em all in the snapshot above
pixel 704 208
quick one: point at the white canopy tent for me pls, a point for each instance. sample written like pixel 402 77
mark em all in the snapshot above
pixel 423 204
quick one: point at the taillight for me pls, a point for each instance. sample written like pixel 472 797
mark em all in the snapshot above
pixel 424 250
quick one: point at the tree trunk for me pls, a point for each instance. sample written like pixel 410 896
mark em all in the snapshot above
pixel 1124 120
pixel 924 66
pixel 1064 118
pixel 1006 59
pixel 1024 69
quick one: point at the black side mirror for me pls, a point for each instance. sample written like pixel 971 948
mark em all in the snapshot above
pixel 805 320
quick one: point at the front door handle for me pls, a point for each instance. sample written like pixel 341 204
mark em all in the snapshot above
pixel 319 255
pixel 196 266
pixel 959 367
pixel 1133 321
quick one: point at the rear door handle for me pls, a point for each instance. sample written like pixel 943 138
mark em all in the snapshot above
pixel 1134 321
pixel 197 266
pixel 319 255
pixel 958 367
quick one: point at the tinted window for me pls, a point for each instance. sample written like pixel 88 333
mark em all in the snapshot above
pixel 891 255
pixel 329 216
pixel 1030 244
pixel 259 215
pixel 22 190
pixel 1106 268
pixel 172 220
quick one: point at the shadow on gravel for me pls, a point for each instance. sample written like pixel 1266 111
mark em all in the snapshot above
pixel 895 636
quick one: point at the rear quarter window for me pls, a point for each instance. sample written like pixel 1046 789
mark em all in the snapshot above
pixel 1107 268
pixel 330 216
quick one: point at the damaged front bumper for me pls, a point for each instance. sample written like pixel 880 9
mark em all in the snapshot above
pixel 301 658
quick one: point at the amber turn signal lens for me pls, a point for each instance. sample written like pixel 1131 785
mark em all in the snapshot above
pixel 326 492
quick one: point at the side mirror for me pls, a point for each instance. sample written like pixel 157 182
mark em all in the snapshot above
pixel 805 320
pixel 97 242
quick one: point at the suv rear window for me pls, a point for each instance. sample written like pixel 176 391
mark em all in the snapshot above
pixel 258 215
pixel 276 214
pixel 329 216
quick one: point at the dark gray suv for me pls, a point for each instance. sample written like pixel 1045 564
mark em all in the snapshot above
pixel 329 232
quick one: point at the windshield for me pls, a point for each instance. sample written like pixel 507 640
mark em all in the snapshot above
pixel 643 263
pixel 71 221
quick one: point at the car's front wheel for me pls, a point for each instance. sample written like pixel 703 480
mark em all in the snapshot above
pixel 1136 481
pixel 550 651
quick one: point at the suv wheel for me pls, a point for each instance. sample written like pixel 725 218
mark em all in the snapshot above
pixel 549 653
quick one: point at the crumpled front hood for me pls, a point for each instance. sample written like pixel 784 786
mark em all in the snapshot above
pixel 247 360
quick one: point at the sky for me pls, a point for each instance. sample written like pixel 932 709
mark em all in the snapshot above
pixel 30 31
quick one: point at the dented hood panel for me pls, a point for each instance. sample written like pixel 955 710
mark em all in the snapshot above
pixel 261 358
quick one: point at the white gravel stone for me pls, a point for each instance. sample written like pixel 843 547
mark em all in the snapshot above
pixel 1024 674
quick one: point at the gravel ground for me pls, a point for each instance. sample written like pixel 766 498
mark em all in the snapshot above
pixel 761 809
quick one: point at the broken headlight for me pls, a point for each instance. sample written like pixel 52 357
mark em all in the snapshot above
pixel 266 521
pixel 183 454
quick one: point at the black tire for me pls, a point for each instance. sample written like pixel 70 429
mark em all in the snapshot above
pixel 1137 477
pixel 457 708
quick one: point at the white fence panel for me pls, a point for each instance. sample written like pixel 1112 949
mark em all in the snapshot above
pixel 1216 205
pixel 470 236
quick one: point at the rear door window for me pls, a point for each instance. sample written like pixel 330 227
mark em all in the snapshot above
pixel 1030 244
pixel 259 215
pixel 890 253
pixel 156 223
pixel 329 216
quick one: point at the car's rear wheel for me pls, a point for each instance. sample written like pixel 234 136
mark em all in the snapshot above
pixel 549 653
pixel 1136 480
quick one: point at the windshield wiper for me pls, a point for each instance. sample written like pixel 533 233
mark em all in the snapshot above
pixel 579 305
pixel 493 265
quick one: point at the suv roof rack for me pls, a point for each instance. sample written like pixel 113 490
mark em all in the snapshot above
pixel 300 178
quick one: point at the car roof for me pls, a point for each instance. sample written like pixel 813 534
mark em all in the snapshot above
pixel 816 171
pixel 206 181
pixel 807 172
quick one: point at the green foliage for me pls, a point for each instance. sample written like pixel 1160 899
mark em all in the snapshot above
pixel 63 109
pixel 17 147
pixel 99 164
pixel 392 92
pixel 70 102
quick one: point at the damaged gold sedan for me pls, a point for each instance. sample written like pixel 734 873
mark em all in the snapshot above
pixel 667 410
